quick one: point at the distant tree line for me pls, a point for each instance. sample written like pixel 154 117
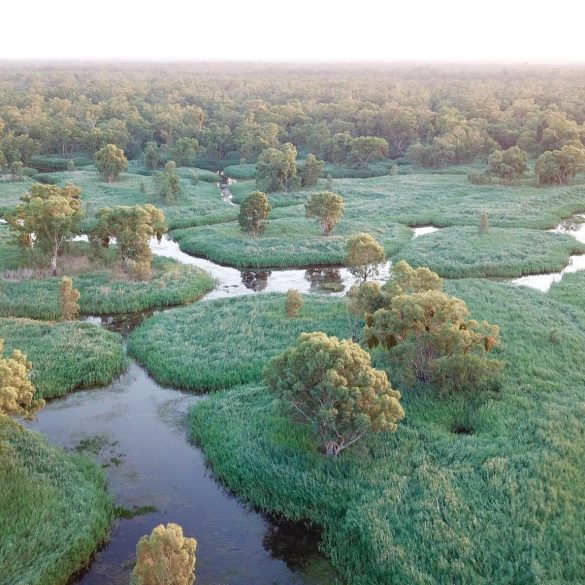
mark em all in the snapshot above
pixel 342 115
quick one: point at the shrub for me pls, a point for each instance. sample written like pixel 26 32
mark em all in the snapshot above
pixel 110 162
pixel 68 297
pixel 17 394
pixel 364 256
pixel 165 557
pixel 430 336
pixel 293 303
pixel 508 164
pixel 484 222
pixel 327 208
pixel 254 212
pixel 477 178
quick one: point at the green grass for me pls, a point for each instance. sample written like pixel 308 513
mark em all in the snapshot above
pixel 202 174
pixel 10 255
pixel 378 205
pixel 241 172
pixel 106 290
pixel 65 356
pixel 193 204
pixel 449 199
pixel 463 252
pixel 426 504
pixel 54 510
pixel 49 163
pixel 570 290
pixel 228 341
pixel 289 241
pixel 374 169
pixel 242 189
pixel 10 193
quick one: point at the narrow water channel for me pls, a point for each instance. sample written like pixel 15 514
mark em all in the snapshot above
pixel 135 429
pixel 574 226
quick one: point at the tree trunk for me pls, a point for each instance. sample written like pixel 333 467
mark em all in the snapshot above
pixel 333 448
pixel 54 264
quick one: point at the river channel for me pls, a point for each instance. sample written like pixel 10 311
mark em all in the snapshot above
pixel 136 429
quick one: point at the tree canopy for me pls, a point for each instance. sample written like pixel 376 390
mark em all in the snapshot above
pixel 168 183
pixel 327 208
pixel 254 210
pixel 560 166
pixel 311 171
pixel 110 162
pixel 132 227
pixel 276 168
pixel 49 217
pixel 364 256
pixel 509 164
pixel 430 335
pixel 330 385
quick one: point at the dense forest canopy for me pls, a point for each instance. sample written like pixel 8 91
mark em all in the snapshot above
pixel 434 115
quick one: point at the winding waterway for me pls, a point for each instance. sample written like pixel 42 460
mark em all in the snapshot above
pixel 135 428
pixel 574 226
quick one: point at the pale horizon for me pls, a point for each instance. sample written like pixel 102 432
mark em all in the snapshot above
pixel 304 32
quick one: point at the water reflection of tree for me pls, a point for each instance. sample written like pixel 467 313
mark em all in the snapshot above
pixel 291 542
pixel 324 276
pixel 125 323
pixel 255 280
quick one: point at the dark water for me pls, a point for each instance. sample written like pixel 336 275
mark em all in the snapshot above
pixel 136 429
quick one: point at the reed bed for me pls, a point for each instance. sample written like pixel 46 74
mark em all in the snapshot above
pixel 464 252
pixel 54 510
pixel 229 341
pixel 65 356
pixel 466 491
pixel 106 291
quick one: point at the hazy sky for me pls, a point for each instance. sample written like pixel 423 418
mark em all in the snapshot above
pixel 299 30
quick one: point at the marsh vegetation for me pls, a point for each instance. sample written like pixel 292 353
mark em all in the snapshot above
pixel 426 430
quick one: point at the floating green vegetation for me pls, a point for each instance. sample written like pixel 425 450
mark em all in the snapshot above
pixel 129 513
pixel 95 444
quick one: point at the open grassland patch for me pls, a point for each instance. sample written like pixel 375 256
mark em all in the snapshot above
pixel 466 491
